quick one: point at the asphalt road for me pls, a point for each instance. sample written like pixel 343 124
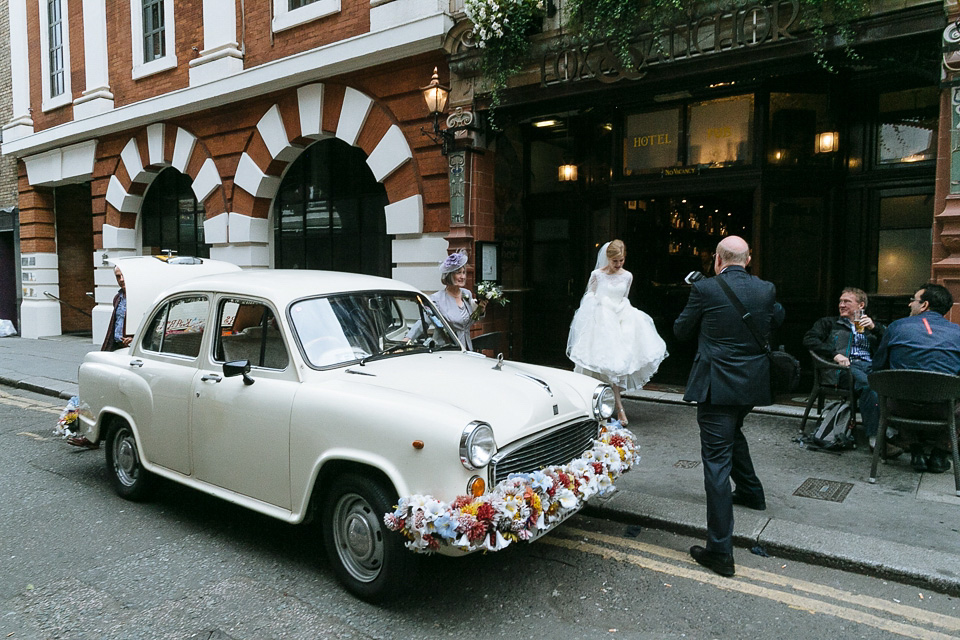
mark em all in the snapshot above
pixel 77 562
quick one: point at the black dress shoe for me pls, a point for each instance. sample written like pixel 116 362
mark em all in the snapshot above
pixel 719 563
pixel 749 502
pixel 917 460
pixel 938 462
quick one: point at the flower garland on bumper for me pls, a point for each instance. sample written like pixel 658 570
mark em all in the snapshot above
pixel 518 508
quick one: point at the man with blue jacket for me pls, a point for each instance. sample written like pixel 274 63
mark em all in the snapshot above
pixel 927 341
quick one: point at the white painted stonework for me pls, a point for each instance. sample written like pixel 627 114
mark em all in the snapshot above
pixel 39 315
pixel 183 149
pixel 73 164
pixel 207 180
pixel 155 144
pixel 405 216
pixel 119 199
pixel 353 113
pixel 310 102
pixel 390 153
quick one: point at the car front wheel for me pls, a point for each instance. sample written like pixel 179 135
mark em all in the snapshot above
pixel 370 560
pixel 129 478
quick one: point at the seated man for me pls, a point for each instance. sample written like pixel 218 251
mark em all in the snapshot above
pixel 850 340
pixel 927 341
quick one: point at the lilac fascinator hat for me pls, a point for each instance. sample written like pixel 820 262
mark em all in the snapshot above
pixel 453 262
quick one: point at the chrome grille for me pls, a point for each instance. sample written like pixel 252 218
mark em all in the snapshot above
pixel 557 446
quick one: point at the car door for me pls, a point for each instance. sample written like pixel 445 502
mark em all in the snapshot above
pixel 241 432
pixel 165 361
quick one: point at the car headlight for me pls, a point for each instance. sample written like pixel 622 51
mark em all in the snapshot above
pixel 604 403
pixel 477 445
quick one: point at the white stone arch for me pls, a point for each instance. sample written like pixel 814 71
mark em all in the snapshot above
pixel 414 253
pixel 123 196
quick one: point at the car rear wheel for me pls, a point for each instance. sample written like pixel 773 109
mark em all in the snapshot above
pixel 129 478
pixel 369 559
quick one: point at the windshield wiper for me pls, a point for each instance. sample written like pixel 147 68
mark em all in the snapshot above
pixel 389 350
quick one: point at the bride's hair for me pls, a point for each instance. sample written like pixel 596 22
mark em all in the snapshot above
pixel 616 249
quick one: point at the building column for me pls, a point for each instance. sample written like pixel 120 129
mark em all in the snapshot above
pixel 118 242
pixel 221 55
pixel 39 314
pixel 21 125
pixel 97 98
pixel 946 223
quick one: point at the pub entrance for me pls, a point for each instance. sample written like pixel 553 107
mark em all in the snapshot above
pixel 667 237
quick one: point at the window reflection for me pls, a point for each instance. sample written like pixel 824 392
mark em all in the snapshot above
pixel 907 129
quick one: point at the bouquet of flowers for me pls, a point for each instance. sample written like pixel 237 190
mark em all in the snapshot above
pixel 519 508
pixel 491 292
pixel 67 426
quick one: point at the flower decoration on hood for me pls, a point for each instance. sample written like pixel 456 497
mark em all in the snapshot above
pixel 521 507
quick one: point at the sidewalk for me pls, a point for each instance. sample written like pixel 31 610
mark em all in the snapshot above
pixel 820 507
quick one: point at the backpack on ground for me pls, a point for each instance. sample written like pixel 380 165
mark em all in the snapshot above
pixel 834 431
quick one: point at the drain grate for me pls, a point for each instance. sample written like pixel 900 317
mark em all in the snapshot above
pixel 686 464
pixel 828 490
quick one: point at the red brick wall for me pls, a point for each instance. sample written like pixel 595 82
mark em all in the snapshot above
pixel 37 226
pixel 395 90
pixel 260 44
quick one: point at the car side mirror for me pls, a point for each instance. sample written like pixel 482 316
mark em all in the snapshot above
pixel 238 368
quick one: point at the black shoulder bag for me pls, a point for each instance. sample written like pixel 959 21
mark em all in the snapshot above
pixel 784 368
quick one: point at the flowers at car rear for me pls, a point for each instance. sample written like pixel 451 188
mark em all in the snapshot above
pixel 67 426
pixel 519 508
pixel 491 292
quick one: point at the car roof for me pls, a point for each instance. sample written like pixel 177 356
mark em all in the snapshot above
pixel 283 286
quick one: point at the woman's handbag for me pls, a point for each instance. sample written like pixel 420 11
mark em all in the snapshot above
pixel 784 368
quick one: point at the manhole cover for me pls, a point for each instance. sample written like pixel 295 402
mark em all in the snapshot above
pixel 687 464
pixel 823 490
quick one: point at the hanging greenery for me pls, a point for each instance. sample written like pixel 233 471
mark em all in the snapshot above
pixel 502 27
pixel 616 21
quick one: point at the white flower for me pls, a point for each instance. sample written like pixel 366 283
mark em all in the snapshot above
pixel 566 498
pixel 434 509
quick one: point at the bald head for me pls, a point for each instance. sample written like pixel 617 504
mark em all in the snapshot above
pixel 732 250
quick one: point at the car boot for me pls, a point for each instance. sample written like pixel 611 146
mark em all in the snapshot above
pixel 917 460
pixel 937 462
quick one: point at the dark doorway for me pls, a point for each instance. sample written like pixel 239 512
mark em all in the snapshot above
pixel 171 218
pixel 667 237
pixel 329 213
pixel 74 255
pixel 556 235
pixel 8 278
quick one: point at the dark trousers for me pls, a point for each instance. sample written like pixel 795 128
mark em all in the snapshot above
pixel 866 397
pixel 725 456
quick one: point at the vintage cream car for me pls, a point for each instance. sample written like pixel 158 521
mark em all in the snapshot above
pixel 303 394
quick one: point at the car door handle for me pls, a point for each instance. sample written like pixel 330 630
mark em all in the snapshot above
pixel 136 363
pixel 211 377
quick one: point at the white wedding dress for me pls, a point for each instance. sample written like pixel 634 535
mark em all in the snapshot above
pixel 612 340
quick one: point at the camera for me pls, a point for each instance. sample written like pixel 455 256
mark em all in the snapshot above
pixel 693 276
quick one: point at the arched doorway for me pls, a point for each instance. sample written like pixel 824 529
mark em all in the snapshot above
pixel 171 219
pixel 329 213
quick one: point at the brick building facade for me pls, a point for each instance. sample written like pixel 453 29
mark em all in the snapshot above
pixel 226 96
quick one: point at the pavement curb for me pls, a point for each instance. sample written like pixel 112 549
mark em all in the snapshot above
pixel 868 555
pixel 34 387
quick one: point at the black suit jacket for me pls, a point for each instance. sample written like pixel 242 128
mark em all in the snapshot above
pixel 730 368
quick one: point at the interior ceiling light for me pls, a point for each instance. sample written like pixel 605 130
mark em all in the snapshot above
pixel 546 123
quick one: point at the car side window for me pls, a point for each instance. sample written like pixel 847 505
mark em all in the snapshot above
pixel 248 330
pixel 177 327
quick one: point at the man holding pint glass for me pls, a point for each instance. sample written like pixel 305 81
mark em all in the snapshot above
pixel 851 340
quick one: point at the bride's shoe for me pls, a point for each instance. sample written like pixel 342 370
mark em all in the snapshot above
pixel 622 417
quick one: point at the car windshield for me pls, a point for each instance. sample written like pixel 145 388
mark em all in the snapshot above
pixel 351 327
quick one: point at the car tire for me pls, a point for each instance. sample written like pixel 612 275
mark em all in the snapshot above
pixel 130 480
pixel 370 560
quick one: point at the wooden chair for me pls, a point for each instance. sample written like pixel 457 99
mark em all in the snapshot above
pixel 823 388
pixel 492 341
pixel 928 387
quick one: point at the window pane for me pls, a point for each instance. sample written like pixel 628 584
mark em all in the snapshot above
pixel 651 142
pixel 908 126
pixel 795 121
pixel 186 320
pixel 721 132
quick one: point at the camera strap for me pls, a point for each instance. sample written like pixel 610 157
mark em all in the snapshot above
pixel 744 314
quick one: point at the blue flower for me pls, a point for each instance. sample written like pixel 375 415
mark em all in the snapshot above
pixel 446 527
pixel 541 481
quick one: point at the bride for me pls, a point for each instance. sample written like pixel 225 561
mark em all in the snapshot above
pixel 610 339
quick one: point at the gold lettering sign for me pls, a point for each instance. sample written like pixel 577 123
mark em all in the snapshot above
pixel 651 140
